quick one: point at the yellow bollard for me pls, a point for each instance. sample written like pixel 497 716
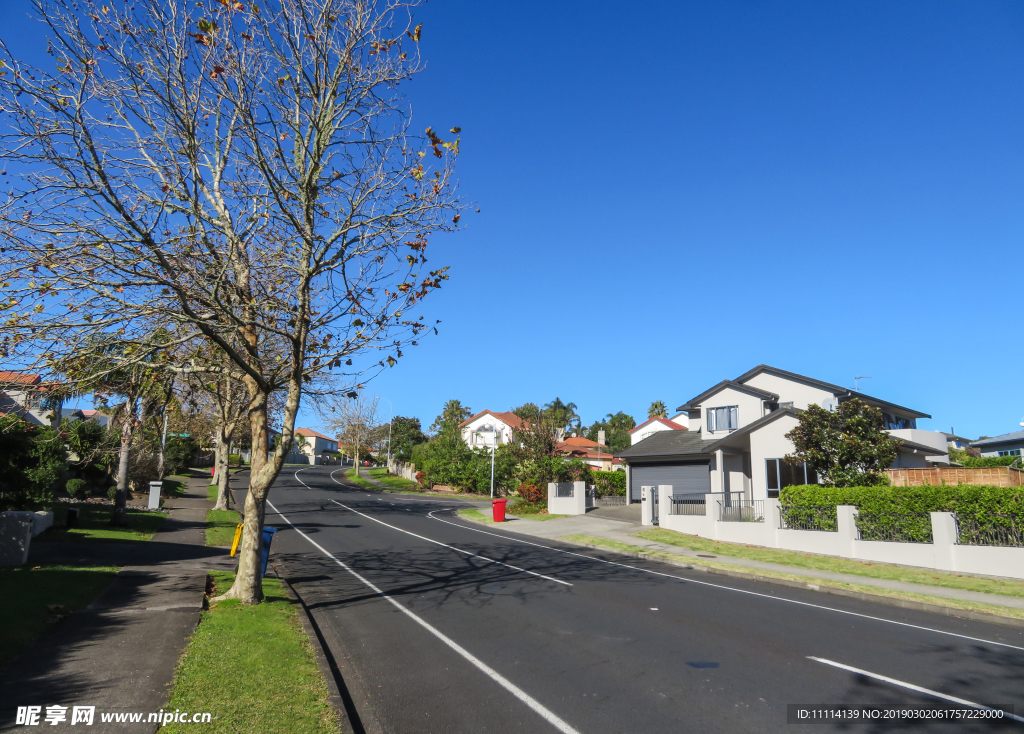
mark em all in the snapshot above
pixel 237 540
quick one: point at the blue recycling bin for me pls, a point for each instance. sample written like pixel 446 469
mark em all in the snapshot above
pixel 268 538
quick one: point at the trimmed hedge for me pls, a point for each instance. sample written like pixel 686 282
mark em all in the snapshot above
pixel 904 510
pixel 609 482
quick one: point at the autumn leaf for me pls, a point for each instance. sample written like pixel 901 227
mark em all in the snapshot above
pixel 415 34
pixel 217 71
pixel 206 26
pixel 201 39
pixel 456 218
pixel 456 129
pixel 165 188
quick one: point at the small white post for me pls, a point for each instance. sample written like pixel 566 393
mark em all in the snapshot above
pixel 944 536
pixel 154 495
pixel 579 495
pixel 846 516
pixel 647 505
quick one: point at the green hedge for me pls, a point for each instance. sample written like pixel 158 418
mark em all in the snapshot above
pixel 609 482
pixel 901 513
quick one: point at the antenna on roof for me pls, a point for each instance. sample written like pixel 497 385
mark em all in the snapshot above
pixel 856 381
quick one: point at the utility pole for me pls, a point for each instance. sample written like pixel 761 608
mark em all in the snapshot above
pixel 391 419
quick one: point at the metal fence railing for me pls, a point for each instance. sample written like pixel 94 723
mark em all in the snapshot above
pixel 564 489
pixel 741 511
pixel 995 529
pixel 687 504
pixel 895 528
pixel 808 517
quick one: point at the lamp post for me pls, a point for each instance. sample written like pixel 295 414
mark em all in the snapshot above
pixel 391 416
pixel 493 442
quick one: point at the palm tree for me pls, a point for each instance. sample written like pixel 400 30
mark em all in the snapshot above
pixel 562 416
pixel 657 410
pixel 453 414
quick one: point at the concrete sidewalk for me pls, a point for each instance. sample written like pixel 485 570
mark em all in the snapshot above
pixel 623 532
pixel 119 654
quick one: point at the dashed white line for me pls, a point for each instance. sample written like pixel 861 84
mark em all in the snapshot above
pixel 912 687
pixel 550 716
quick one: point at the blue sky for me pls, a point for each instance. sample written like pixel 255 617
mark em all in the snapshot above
pixel 672 193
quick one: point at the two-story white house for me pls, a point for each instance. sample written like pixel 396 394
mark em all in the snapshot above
pixel 736 440
pixel 487 427
pixel 653 425
pixel 322 449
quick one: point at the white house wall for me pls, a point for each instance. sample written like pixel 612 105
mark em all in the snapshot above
pixel 501 428
pixel 748 408
pixel 769 442
pixel 648 430
pixel 789 391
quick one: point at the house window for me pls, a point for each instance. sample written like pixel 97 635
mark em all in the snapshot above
pixel 1010 452
pixel 783 474
pixel 895 422
pixel 723 419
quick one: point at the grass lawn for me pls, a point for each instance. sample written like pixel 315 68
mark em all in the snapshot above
pixel 220 526
pixel 350 475
pixel 94 524
pixel 35 598
pixel 382 476
pixel 837 565
pixel 474 514
pixel 175 486
pixel 937 600
pixel 253 668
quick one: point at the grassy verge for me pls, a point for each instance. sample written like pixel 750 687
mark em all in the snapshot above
pixel 382 476
pixel 175 486
pixel 837 565
pixel 350 475
pixel 36 598
pixel 220 526
pixel 471 513
pixel 94 524
pixel 253 668
pixel 825 583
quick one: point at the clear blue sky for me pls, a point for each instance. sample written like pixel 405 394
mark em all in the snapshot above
pixel 672 193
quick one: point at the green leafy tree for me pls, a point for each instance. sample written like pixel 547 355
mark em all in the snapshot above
pixel 528 412
pixel 561 417
pixel 657 410
pixel 453 414
pixel 405 434
pixel 616 428
pixel 847 447
pixel 32 463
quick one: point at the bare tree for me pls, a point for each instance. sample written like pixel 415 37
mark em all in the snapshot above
pixel 353 420
pixel 242 175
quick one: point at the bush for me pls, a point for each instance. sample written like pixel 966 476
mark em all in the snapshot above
pixel 178 454
pixel 989 461
pixel 32 462
pixel 75 486
pixel 420 477
pixel 610 482
pixel 979 504
pixel 112 492
pixel 532 493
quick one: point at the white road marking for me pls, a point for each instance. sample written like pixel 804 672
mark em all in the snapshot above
pixel 491 673
pixel 451 547
pixel 728 588
pixel 437 542
pixel 911 686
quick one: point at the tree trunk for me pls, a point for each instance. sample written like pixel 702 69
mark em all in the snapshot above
pixel 120 514
pixel 222 473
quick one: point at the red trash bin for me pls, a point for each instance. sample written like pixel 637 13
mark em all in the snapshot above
pixel 498 510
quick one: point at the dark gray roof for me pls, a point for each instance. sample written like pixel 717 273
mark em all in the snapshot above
pixel 667 443
pixel 1015 437
pixel 728 383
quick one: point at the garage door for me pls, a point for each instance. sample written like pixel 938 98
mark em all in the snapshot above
pixel 684 478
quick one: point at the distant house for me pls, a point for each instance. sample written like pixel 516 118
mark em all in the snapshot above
pixel 317 444
pixel 1009 444
pixel 956 442
pixel 595 455
pixel 737 442
pixel 22 394
pixel 653 425
pixel 487 427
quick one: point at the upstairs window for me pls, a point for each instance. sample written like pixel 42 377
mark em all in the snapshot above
pixel 1010 452
pixel 723 419
pixel 896 422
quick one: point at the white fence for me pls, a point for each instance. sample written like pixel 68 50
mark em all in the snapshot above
pixel 762 525
pixel 403 469
pixel 567 498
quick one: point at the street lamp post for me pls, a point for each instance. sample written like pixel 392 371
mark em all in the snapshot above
pixel 494 441
pixel 391 418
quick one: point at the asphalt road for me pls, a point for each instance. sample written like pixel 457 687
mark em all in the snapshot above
pixel 437 624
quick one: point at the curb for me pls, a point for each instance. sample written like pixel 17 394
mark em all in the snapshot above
pixel 309 627
pixel 904 603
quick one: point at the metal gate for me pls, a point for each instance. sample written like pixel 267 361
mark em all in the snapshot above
pixel 654 505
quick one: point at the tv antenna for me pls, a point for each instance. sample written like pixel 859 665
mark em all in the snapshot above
pixel 856 381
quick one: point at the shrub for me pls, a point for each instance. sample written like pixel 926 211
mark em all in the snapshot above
pixel 178 454
pixel 234 459
pixel 32 462
pixel 532 493
pixel 421 477
pixel 610 482
pixel 112 492
pixel 74 486
pixel 979 504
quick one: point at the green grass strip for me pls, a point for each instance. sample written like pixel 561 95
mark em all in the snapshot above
pixel 471 513
pixel 35 598
pixel 836 565
pixel 826 583
pixel 220 526
pixel 94 525
pixel 382 476
pixel 253 668
pixel 350 475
